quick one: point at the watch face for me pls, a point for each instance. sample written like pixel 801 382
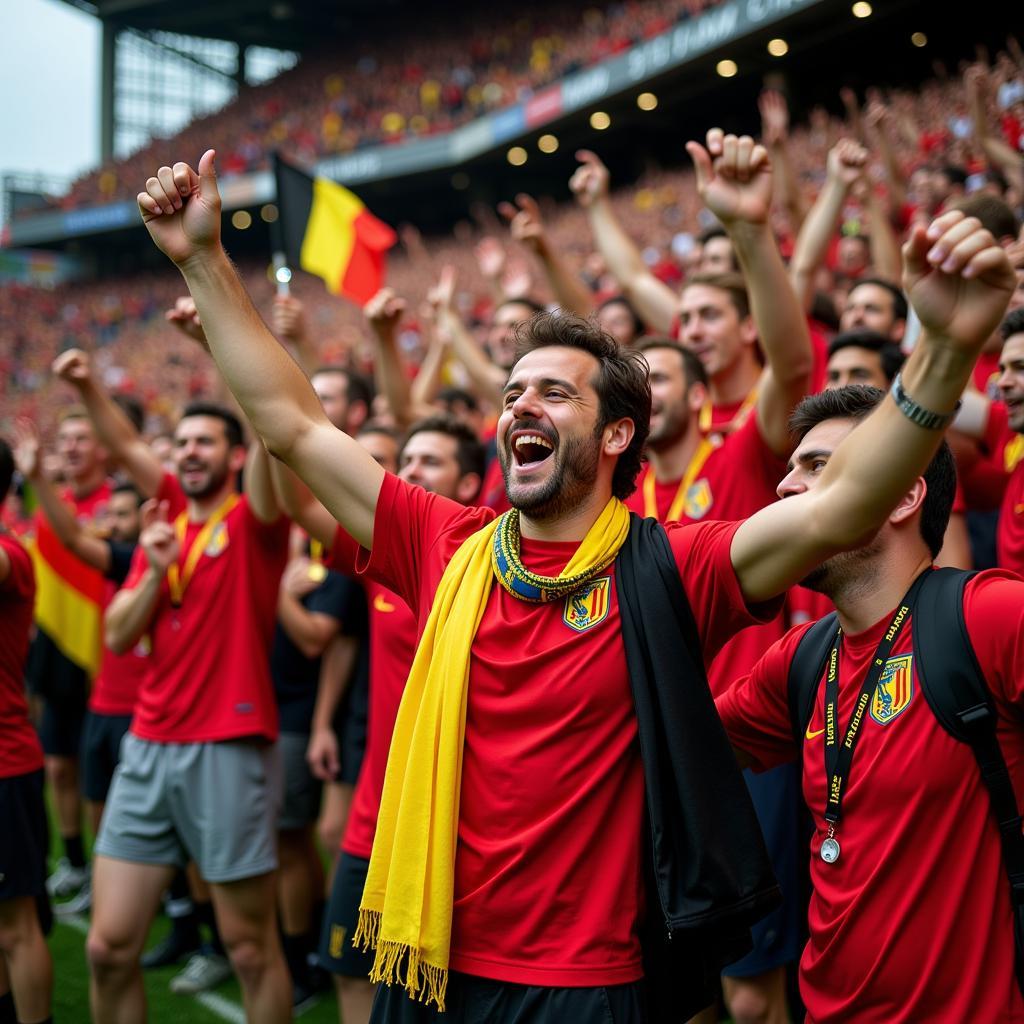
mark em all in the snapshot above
pixel 830 851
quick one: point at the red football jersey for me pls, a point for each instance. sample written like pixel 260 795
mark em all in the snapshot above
pixel 548 872
pixel 1010 532
pixel 913 922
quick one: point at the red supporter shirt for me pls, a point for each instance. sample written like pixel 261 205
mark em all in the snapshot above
pixel 209 673
pixel 912 923
pixel 392 647
pixel 548 879
pixel 1010 532
pixel 20 751
pixel 738 479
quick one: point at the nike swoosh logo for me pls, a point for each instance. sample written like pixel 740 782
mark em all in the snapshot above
pixel 811 735
pixel 382 605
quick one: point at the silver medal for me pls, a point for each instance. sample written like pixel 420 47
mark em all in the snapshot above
pixel 829 850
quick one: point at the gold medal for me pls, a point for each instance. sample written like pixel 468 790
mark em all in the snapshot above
pixel 317 572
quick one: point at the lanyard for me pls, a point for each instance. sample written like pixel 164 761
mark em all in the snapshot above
pixel 178 577
pixel 707 410
pixel 839 755
pixel 700 456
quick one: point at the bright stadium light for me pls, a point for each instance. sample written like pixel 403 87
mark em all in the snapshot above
pixel 241 219
pixel 517 156
pixel 919 39
pixel 269 213
pixel 727 68
pixel 547 144
pixel 647 101
pixel 599 120
pixel 862 9
pixel 778 47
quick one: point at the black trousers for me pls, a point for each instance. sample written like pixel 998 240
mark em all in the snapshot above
pixel 472 1000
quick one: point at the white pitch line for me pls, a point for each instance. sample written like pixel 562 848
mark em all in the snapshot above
pixel 219 1006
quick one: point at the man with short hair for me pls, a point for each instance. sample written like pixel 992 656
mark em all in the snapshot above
pixel 508 859
pixel 26 970
pixel 888 895
pixel 862 357
pixel 1010 530
pixel 199 777
pixel 875 304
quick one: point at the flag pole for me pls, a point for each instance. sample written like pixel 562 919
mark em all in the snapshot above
pixel 282 272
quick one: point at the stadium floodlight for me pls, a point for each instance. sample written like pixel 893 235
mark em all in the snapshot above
pixel 268 213
pixel 647 101
pixel 517 156
pixel 727 68
pixel 919 39
pixel 547 143
pixel 241 219
pixel 599 120
pixel 862 9
pixel 778 47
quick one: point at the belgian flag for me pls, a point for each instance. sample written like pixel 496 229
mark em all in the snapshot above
pixel 328 231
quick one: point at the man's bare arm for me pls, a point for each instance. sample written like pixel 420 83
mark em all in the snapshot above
pixel 383 314
pixel 259 486
pixel 181 210
pixel 959 282
pixel 301 505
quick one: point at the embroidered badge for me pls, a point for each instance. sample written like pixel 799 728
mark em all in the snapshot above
pixel 895 689
pixel 336 945
pixel 589 605
pixel 698 500
pixel 218 541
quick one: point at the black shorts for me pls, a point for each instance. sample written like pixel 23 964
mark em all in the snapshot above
pixel 337 954
pixel 60 728
pixel 472 1000
pixel 24 836
pixel 101 751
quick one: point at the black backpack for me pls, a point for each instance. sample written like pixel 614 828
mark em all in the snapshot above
pixel 955 690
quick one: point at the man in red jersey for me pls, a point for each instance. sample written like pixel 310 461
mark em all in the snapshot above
pixel 444 457
pixel 26 970
pixel 199 777
pixel 538 878
pixel 917 888
pixel 1010 531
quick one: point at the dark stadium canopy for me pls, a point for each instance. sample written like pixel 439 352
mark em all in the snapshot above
pixel 281 24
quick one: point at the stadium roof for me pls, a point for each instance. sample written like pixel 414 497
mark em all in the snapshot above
pixel 280 24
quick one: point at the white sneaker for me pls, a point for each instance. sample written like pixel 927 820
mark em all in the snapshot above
pixel 203 972
pixel 81 903
pixel 66 880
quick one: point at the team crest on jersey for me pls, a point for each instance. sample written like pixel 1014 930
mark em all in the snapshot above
pixel 218 541
pixel 895 689
pixel 698 500
pixel 588 606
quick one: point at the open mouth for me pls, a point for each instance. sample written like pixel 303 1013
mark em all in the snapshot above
pixel 530 450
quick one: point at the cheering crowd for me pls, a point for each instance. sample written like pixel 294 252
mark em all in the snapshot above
pixel 491 630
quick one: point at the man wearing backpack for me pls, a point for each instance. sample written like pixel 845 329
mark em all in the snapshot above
pixel 911 916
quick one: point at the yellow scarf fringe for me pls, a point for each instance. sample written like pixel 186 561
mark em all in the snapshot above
pixel 406 912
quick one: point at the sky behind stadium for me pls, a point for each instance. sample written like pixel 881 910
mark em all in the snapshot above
pixel 49 81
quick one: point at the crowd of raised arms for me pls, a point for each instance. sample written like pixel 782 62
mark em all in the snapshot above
pixel 365 644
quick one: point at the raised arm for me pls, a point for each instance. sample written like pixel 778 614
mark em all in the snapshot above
pixel 878 118
pixel 998 153
pixel 259 485
pixel 129 614
pixel 959 282
pixel 288 318
pixel 775 136
pixel 181 210
pixel 301 505
pixel 656 303
pixel 68 530
pixel 383 314
pixel 116 432
pixel 734 179
pixel 845 164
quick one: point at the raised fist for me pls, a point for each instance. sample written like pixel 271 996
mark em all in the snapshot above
pixel 734 177
pixel 591 180
pixel 73 366
pixel 384 311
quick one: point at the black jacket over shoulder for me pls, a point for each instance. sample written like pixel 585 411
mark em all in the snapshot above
pixel 709 877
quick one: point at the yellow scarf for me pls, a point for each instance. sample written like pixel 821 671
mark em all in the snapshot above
pixel 406 910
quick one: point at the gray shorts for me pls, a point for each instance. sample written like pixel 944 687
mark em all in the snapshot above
pixel 302 790
pixel 213 803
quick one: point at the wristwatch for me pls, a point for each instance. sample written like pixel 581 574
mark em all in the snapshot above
pixel 918 413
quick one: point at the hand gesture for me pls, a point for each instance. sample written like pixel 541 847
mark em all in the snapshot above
pixel 185 317
pixel 976 82
pixel 158 539
pixel 525 222
pixel 322 754
pixel 846 162
pixel 774 117
pixel 877 115
pixel 296 579
pixel 490 257
pixel 517 281
pixel 74 367
pixel 181 209
pixel 288 317
pixel 442 294
pixel 734 177
pixel 591 180
pixel 384 312
pixel 958 279
pixel 27 448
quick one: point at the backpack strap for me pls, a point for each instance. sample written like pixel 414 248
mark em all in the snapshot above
pixel 805 672
pixel 954 687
